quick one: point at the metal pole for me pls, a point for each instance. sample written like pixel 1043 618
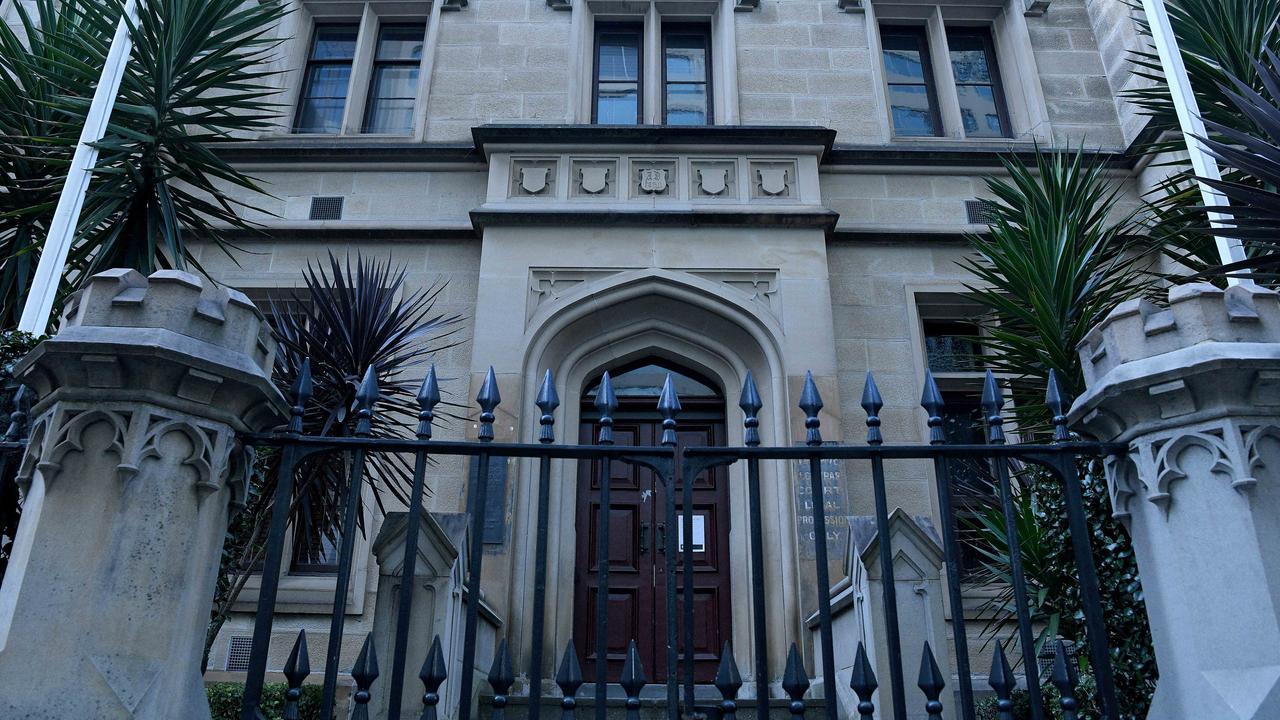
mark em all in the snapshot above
pixel 62 229
pixel 1230 250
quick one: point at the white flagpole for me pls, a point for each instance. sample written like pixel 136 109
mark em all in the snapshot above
pixel 62 229
pixel 1230 250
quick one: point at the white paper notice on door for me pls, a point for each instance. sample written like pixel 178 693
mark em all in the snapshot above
pixel 699 532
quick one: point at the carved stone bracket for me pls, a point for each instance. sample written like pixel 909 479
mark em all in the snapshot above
pixel 851 6
pixel 560 4
pixel 1035 8
pixel 453 5
pixel 745 5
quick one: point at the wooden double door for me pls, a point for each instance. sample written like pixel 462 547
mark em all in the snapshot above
pixel 638 528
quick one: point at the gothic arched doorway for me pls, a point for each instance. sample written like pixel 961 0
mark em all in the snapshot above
pixel 638 526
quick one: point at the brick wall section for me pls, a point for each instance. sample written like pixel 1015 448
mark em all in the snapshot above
pixel 1115 26
pixel 1077 90
pixel 803 62
pixel 499 61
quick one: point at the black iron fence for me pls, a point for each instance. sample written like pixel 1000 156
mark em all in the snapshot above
pixel 12 445
pixel 670 463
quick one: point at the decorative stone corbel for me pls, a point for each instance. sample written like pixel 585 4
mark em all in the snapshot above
pixel 560 4
pixel 1035 8
pixel 745 5
pixel 453 5
pixel 851 6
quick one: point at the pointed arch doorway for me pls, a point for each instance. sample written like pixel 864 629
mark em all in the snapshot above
pixel 638 526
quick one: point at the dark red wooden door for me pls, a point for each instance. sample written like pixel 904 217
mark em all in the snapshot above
pixel 637 558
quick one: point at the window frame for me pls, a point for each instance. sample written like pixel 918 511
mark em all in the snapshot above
pixel 375 64
pixel 930 76
pixel 984 34
pixel 688 28
pixel 311 62
pixel 638 29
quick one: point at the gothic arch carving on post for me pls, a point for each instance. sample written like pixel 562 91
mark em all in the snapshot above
pixel 66 438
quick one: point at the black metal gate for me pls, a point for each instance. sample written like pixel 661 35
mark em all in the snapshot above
pixel 1059 457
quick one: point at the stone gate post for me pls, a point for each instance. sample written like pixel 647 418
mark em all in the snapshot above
pixel 1194 391
pixel 128 482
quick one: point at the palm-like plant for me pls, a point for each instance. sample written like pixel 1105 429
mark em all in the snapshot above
pixel 349 317
pixel 1059 256
pixel 1219 40
pixel 42 60
pixel 1254 201
pixel 197 78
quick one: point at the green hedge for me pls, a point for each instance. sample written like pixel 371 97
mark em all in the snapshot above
pixel 225 698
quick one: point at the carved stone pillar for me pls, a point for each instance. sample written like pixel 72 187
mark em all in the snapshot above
pixel 1194 391
pixel 131 473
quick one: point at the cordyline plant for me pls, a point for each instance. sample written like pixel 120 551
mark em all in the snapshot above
pixel 1219 41
pixel 198 77
pixel 1059 256
pixel 349 317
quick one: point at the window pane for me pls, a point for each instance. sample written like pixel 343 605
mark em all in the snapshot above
pixel 396 81
pixel 327 81
pixel 391 115
pixel 903 58
pixel 970 66
pixel 686 58
pixel 334 42
pixel 320 115
pixel 401 42
pixel 978 111
pixel 686 104
pixel 618 104
pixel 619 57
pixel 912 113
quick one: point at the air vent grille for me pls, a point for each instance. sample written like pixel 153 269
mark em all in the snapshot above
pixel 238 651
pixel 980 212
pixel 326 208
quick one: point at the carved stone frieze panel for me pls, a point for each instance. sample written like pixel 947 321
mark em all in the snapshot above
pixel 758 286
pixel 593 178
pixel 534 177
pixel 654 178
pixel 713 179
pixel 773 179
pixel 547 285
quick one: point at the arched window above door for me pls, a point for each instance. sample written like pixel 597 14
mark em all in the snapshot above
pixel 645 379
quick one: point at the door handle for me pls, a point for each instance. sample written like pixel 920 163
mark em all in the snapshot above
pixel 662 538
pixel 644 538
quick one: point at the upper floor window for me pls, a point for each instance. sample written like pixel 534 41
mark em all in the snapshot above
pixel 965 77
pixel 326 79
pixel 393 89
pixel 619 84
pixel 682 74
pixel 686 76
pixel 973 64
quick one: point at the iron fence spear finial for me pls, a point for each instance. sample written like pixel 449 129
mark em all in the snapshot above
pixel 992 403
pixel 606 403
pixel 18 418
pixel 428 398
pixel 728 681
pixel 488 399
pixel 432 675
pixel 931 682
pixel 932 403
pixel 364 672
pixel 871 403
pixel 1056 403
pixel 547 402
pixel 811 403
pixel 668 407
pixel 366 395
pixel 501 678
pixel 301 391
pixel 569 679
pixel 750 404
pixel 863 683
pixel 1064 678
pixel 795 682
pixel 296 670
pixel 1003 682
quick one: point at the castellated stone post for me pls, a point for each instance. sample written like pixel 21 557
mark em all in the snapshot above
pixel 129 480
pixel 1194 391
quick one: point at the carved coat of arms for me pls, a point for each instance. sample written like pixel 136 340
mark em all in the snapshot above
pixel 773 181
pixel 533 180
pixel 653 180
pixel 712 180
pixel 594 180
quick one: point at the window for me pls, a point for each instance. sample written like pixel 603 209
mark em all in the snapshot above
pixel 686 77
pixel 393 89
pixel 962 98
pixel 618 75
pixel 949 345
pixel 680 86
pixel 913 101
pixel 973 62
pixel 327 76
pixel 317 554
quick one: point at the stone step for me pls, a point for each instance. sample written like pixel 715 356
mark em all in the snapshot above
pixel 653 705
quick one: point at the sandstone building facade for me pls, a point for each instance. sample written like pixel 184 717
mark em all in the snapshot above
pixel 707 187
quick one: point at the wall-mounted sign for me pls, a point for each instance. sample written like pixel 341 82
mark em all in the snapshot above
pixel 837 506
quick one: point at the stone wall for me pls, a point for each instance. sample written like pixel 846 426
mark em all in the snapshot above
pixel 1077 91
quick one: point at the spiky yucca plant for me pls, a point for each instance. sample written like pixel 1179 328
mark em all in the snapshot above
pixel 198 77
pixel 348 317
